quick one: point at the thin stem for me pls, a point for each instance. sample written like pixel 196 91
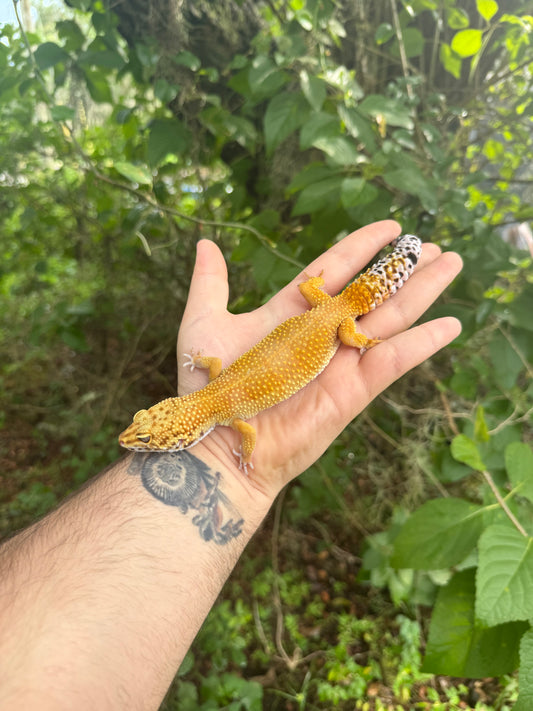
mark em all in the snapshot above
pixel 401 46
pixel 516 523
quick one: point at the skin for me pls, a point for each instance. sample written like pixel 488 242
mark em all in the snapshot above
pixel 349 382
pixel 100 600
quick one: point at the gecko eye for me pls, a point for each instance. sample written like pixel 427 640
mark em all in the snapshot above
pixel 144 438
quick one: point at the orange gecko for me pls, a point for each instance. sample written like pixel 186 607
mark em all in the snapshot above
pixel 280 365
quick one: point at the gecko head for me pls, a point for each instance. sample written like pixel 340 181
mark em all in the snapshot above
pixel 138 436
pixel 162 428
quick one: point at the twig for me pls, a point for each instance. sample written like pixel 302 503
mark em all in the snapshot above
pixel 259 627
pixel 398 407
pixel 401 46
pixel 516 523
pixel 449 413
pixel 511 420
pixel 378 430
pixel 291 663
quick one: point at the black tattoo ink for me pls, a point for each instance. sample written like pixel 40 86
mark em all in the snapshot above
pixel 180 479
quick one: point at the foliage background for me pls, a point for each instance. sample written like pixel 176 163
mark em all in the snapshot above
pixel 277 128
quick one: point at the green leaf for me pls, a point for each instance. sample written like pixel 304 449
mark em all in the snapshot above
pixel 311 173
pixel 450 61
pixel 98 54
pixel 147 55
pixel 519 466
pixel 102 21
pixel 360 127
pixel 164 91
pixel 339 149
pixel 467 42
pixel 413 41
pixel 285 113
pixel 504 576
pixel 135 173
pixel 440 534
pixel 520 311
pixel 505 360
pixel 74 338
pixel 458 646
pixel 465 450
pixel 524 701
pixel 83 5
pixel 384 33
pixel 481 431
pixel 450 469
pixel 304 19
pixel 188 59
pixel 318 195
pixel 394 112
pixel 62 113
pixel 97 85
pixel 314 89
pixel 319 125
pixel 49 54
pixel 265 78
pixel 487 8
pixel 228 126
pixel 412 181
pixel 70 31
pixel 167 136
pixel 457 18
pixel 344 79
pixel 350 192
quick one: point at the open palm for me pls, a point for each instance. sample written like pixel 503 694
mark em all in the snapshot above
pixel 293 434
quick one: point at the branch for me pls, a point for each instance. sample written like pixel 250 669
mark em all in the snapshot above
pixel 516 523
pixel 403 55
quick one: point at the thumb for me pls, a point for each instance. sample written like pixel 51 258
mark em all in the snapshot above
pixel 209 283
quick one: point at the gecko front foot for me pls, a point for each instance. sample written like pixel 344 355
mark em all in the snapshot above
pixel 210 363
pixel 189 361
pixel 242 464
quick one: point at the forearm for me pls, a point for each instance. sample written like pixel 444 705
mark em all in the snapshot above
pixel 101 600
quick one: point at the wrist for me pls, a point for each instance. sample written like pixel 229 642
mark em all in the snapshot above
pixel 206 486
pixel 241 491
pixel 154 537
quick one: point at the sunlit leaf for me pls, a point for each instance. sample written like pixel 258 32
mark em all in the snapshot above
pixel 487 8
pixel 314 89
pixel 467 42
pixel 465 450
pixel 134 173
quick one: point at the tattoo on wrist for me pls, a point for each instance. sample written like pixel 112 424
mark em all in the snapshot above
pixel 180 479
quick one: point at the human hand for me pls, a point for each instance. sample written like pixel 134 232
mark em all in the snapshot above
pixel 293 434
